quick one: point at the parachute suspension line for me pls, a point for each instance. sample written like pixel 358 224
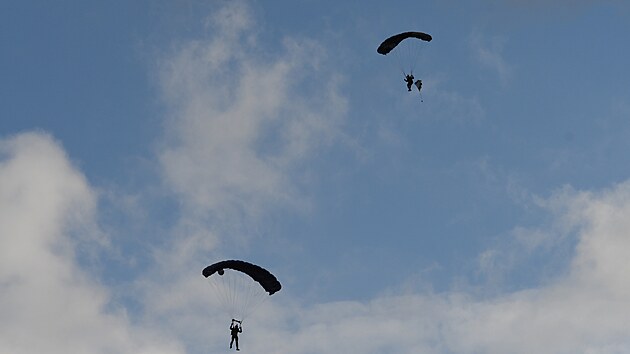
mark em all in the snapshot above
pixel 239 294
pixel 398 59
pixel 256 297
pixel 409 56
pixel 406 56
pixel 253 296
pixel 235 294
pixel 247 298
pixel 226 289
pixel 235 285
pixel 226 281
pixel 221 290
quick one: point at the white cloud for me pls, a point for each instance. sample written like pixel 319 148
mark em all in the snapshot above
pixel 584 311
pixel 244 117
pixel 48 304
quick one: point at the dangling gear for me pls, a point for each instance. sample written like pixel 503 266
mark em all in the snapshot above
pixel 418 84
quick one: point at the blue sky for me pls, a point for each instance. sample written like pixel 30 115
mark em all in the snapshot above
pixel 141 141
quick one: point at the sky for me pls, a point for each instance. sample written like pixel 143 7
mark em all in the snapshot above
pixel 142 141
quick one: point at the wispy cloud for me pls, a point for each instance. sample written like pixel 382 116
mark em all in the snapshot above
pixel 489 53
pixel 244 117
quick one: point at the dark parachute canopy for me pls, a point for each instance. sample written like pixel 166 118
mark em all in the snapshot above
pixel 391 42
pixel 267 280
pixel 240 287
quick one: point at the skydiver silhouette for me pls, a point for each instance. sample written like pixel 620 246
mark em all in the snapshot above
pixel 409 80
pixel 235 329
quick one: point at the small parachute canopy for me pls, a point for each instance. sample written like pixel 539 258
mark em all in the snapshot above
pixel 390 43
pixel 267 280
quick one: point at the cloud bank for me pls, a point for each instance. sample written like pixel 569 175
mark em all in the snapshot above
pixel 582 310
pixel 50 303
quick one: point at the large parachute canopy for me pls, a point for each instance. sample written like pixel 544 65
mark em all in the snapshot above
pixel 391 42
pixel 405 48
pixel 240 286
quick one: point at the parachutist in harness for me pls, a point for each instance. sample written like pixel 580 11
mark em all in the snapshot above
pixel 409 80
pixel 240 286
pixel 392 42
pixel 235 329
